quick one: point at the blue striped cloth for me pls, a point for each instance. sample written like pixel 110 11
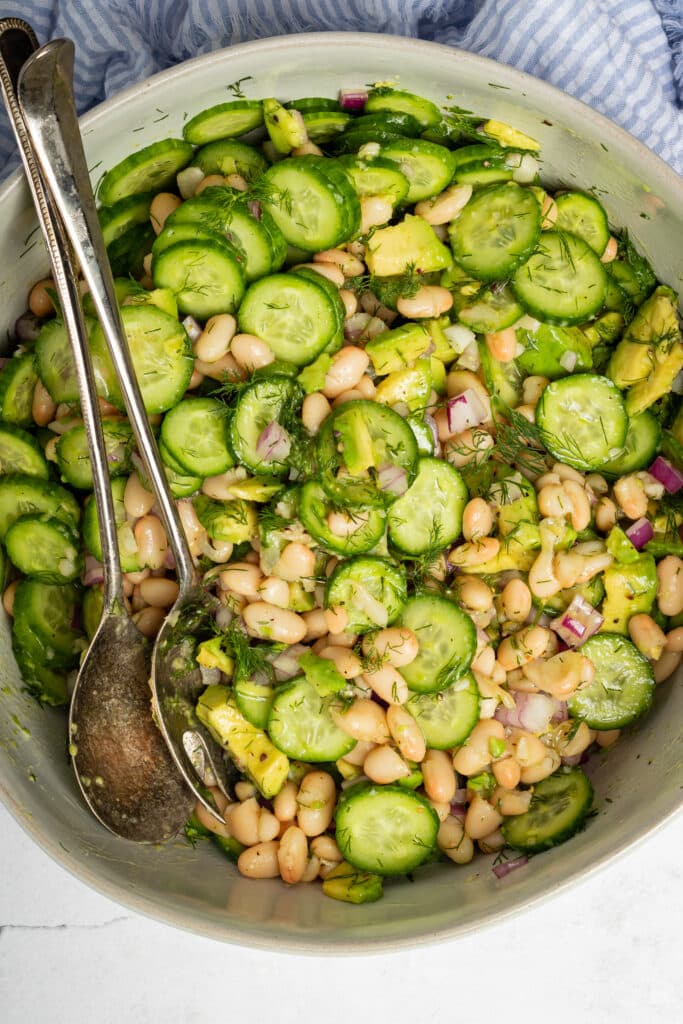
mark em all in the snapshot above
pixel 623 57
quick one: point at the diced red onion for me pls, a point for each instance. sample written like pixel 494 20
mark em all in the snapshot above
pixel 274 443
pixel 93 572
pixel 578 623
pixel 572 760
pixel 459 337
pixel 355 325
pixel 568 360
pixel 460 796
pixel 254 208
pixel 562 713
pixel 286 663
pixel 662 470
pixel 431 423
pixel 392 479
pixel 464 411
pixel 192 328
pixel 353 100
pixel 27 327
pixel 224 616
pixel 532 711
pixel 210 676
pixel 458 810
pixel 118 455
pixel 507 866
pixel 640 532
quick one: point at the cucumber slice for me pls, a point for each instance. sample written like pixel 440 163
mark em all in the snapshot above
pixel 325 125
pixel 254 700
pixel 73 456
pixel 363 433
pixel 44 548
pixel 427 166
pixel 229 157
pixel 20 452
pixel 307 103
pixel 447 717
pixel 385 829
pixel 152 169
pixel 547 347
pixel 623 686
pixel 353 140
pixel 583 420
pixel 332 293
pixel 25 495
pixel 292 314
pixel 640 447
pixel 18 379
pixel 45 684
pixel 312 202
pixel 223 121
pixel 583 215
pixel 126 254
pixel 196 435
pixel 162 358
pixel 423 110
pixel 371 590
pixel 301 726
pixel 376 177
pixel 116 220
pixel 496 231
pixel 91 529
pixel 493 309
pixel 55 362
pixel 314 508
pixel 447 638
pixel 503 380
pixel 558 810
pixel 397 121
pixel 428 517
pixel 563 282
pixel 207 278
pixel 263 402
pixel 43 613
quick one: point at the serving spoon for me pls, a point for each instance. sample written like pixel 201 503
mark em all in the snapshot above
pixel 122 762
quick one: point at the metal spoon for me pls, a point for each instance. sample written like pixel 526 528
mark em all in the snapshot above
pixel 121 762
pixel 46 100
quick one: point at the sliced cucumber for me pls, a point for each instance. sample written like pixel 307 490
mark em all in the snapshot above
pixel 265 401
pixel 482 164
pixel 558 810
pixel 292 314
pixel 254 700
pixel 126 254
pixel 640 447
pixel 546 350
pixel 583 420
pixel 55 362
pixel 45 684
pixel 496 231
pixel 152 169
pixel 325 125
pixel 563 282
pixel 376 177
pixel 45 548
pixel 301 726
pixel 447 638
pixel 73 457
pixel 207 279
pixel 371 590
pixel 583 215
pixel 622 688
pixel 312 202
pixel 18 379
pixel 307 103
pixel 427 166
pixel 385 829
pixel 493 309
pixel 314 509
pixel 428 517
pixel 226 156
pixel 122 216
pixel 43 613
pixel 447 717
pixel 196 435
pixel 128 552
pixel 224 121
pixel 423 110
pixel 27 495
pixel 20 452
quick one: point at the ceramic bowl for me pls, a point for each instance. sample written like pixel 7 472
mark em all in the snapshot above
pixel 638 783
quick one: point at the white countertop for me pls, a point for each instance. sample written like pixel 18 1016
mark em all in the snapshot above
pixel 608 950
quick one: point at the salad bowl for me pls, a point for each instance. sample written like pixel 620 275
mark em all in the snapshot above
pixel 637 783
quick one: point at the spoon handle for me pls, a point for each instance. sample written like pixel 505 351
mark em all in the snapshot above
pixel 17 44
pixel 47 103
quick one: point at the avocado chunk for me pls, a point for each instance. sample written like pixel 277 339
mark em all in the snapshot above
pixel 411 385
pixel 322 674
pixel 650 355
pixel 249 747
pixel 547 346
pixel 229 521
pixel 619 545
pixel 517 513
pixel 412 243
pixel 163 298
pixel 285 127
pixel 397 349
pixel 509 137
pixel 212 654
pixel 350 885
pixel 630 588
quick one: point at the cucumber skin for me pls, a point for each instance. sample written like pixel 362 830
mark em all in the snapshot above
pixel 358 792
pixel 540 845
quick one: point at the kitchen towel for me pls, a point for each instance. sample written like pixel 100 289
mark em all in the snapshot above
pixel 623 57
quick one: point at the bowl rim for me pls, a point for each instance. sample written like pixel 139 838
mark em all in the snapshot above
pixel 184 919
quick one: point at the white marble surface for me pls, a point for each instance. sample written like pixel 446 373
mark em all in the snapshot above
pixel 609 950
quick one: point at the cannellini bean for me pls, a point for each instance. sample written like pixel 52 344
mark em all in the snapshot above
pixel 347 396
pixel 562 674
pixel 406 733
pixel 296 562
pixel 268 826
pixel 474 553
pixel 316 800
pixel 345 661
pixel 438 776
pixel 316 623
pixel 345 524
pixel 515 601
pixel 666 665
pixel 314 411
pixel 630 494
pixel 580 504
pixel 670 585
pixel 444 207
pixel 396 646
pixel 592 565
pixel 350 302
pixel 214 341
pixel 39 301
pixel 374 211
pixel 388 683
pixel 647 636
pixel 161 207
pixel 481 819
pixel 8 597
pixel 674 640
pixel 284 804
pixel 429 301
pixel 348 366
pixel 244 579
pixel 503 344
pixel 484 661
pixel 553 501
pixel 610 251
pixel 468 446
pixel 507 773
pixel 537 772
pixel 250 352
pixel 137 500
pixel 267 622
pixel 364 720
pixel 523 646
pixel 349 264
pixel 159 593
pixel 356 756
pixel 336 619
pixel 384 765
pixel 608 737
pixel 151 541
pixel 549 212
pixel 210 181
pixel 219 368
pixel 43 408
pixel 292 855
pixel 274 590
pixel 533 388
pixel 568 473
pixel 492 843
pixel 477 519
pixel 453 841
pixel 605 514
pixel 260 860
pixel 244 790
pixel 516 802
pixel 474 594
pixel 149 621
pixel 326 850
pixel 580 741
pixel 243 820
pixel 529 749
pixel 475 754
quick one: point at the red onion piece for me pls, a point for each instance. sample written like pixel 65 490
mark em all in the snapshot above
pixel 562 713
pixel 93 572
pixel 27 327
pixel 392 479
pixel 578 623
pixel 274 443
pixel 640 532
pixel 353 100
pixel 458 810
pixel 254 208
pixel 464 411
pixel 169 560
pixel 667 474
pixel 572 760
pixel 506 867
pixel 431 423
pixel 355 325
pixel 224 616
pixel 532 711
